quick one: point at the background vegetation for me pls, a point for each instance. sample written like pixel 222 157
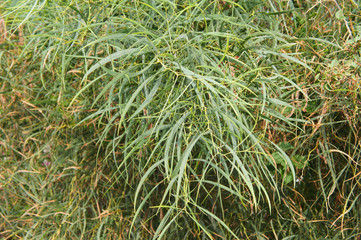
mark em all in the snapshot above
pixel 183 119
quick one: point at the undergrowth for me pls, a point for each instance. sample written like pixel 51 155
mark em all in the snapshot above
pixel 180 119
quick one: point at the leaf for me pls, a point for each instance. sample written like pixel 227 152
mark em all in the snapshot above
pixel 111 57
pixel 339 15
pixel 279 159
pixel 288 178
pixel 299 161
pixel 334 63
pixel 285 146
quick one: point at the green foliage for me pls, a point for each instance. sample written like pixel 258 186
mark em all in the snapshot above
pixel 139 119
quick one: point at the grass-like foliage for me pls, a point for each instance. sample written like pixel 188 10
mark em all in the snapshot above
pixel 183 119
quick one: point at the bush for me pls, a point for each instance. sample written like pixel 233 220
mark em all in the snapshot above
pixel 192 119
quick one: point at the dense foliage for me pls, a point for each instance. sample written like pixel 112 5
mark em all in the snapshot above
pixel 184 119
